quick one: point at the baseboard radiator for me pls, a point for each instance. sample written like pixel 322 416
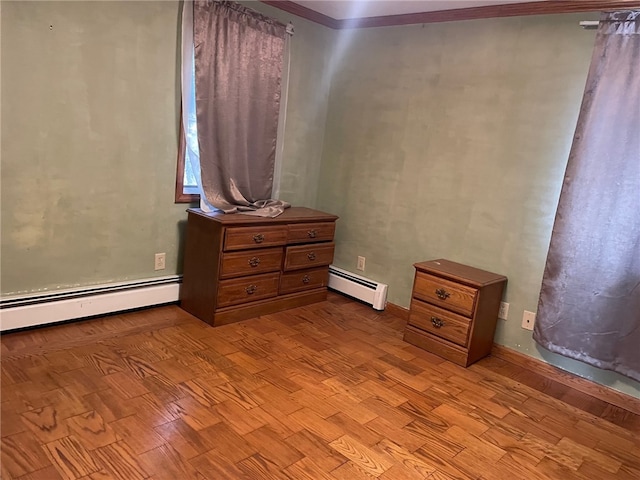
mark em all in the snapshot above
pixel 25 311
pixel 361 288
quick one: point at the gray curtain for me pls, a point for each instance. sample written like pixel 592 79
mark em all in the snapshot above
pixel 589 307
pixel 238 55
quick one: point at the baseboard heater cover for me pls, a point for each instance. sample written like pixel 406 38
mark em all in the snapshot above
pixel 364 289
pixel 41 309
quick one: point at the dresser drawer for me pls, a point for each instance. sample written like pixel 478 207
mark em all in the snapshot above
pixel 247 289
pixel 311 232
pixel 300 280
pixel 307 256
pixel 452 296
pixel 251 262
pixel 440 322
pixel 239 238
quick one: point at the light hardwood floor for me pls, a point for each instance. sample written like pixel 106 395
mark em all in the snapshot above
pixel 326 391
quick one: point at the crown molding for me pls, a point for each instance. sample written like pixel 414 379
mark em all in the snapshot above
pixel 304 12
pixel 473 13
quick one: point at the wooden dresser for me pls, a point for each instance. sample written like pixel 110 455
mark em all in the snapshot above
pixel 454 309
pixel 240 266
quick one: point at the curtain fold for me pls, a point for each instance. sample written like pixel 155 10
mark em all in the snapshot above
pixel 238 55
pixel 589 306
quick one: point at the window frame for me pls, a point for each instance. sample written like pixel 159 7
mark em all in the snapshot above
pixel 180 196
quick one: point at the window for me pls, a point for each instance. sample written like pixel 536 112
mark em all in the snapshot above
pixel 188 173
pixel 186 185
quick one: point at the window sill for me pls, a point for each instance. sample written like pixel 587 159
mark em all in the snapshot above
pixel 187 198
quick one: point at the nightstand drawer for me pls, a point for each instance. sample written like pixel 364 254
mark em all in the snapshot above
pixel 300 280
pixel 251 262
pixel 247 289
pixel 443 293
pixel 308 256
pixel 239 238
pixel 440 322
pixel 311 232
pixel 436 345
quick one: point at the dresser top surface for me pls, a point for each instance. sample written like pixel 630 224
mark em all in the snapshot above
pixel 290 215
pixel 459 272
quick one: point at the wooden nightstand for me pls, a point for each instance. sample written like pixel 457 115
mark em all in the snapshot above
pixel 454 309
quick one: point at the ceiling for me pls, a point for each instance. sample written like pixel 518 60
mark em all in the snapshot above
pixel 343 9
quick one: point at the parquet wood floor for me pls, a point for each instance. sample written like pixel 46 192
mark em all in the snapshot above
pixel 326 391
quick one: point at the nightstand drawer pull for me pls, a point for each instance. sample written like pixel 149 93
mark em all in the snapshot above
pixel 254 261
pixel 437 322
pixel 251 289
pixel 311 256
pixel 306 279
pixel 442 293
pixel 312 233
pixel 258 238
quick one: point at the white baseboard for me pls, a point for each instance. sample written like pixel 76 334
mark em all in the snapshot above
pixel 44 309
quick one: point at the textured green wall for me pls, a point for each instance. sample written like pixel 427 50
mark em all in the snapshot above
pixel 90 105
pixel 450 141
pixel 89 115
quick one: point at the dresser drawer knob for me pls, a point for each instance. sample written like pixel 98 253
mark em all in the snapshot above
pixel 254 261
pixel 306 279
pixel 258 238
pixel 311 256
pixel 251 289
pixel 437 322
pixel 442 293
pixel 312 233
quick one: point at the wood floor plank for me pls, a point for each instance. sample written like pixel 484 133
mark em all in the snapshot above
pixel 364 457
pixel 227 443
pixel 360 432
pixel 46 424
pixel 526 449
pixel 259 466
pixel 412 466
pixel 135 433
pixel 195 415
pixel 316 449
pixel 164 463
pixel 324 391
pixel 21 454
pixel 211 465
pixel 184 440
pixel 317 425
pixel 272 447
pixel 71 458
pixel 92 430
pixel 459 418
pixel 109 405
pixel 306 469
pixel 120 462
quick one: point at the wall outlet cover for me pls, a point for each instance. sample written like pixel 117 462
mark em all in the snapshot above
pixel 528 320
pixel 160 261
pixel 503 313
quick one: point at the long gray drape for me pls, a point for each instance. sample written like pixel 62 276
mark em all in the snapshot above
pixel 238 56
pixel 589 307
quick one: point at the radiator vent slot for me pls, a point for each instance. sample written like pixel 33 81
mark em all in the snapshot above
pixel 361 288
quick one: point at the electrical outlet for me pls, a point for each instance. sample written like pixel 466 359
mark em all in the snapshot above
pixel 503 313
pixel 160 261
pixel 361 263
pixel 528 319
